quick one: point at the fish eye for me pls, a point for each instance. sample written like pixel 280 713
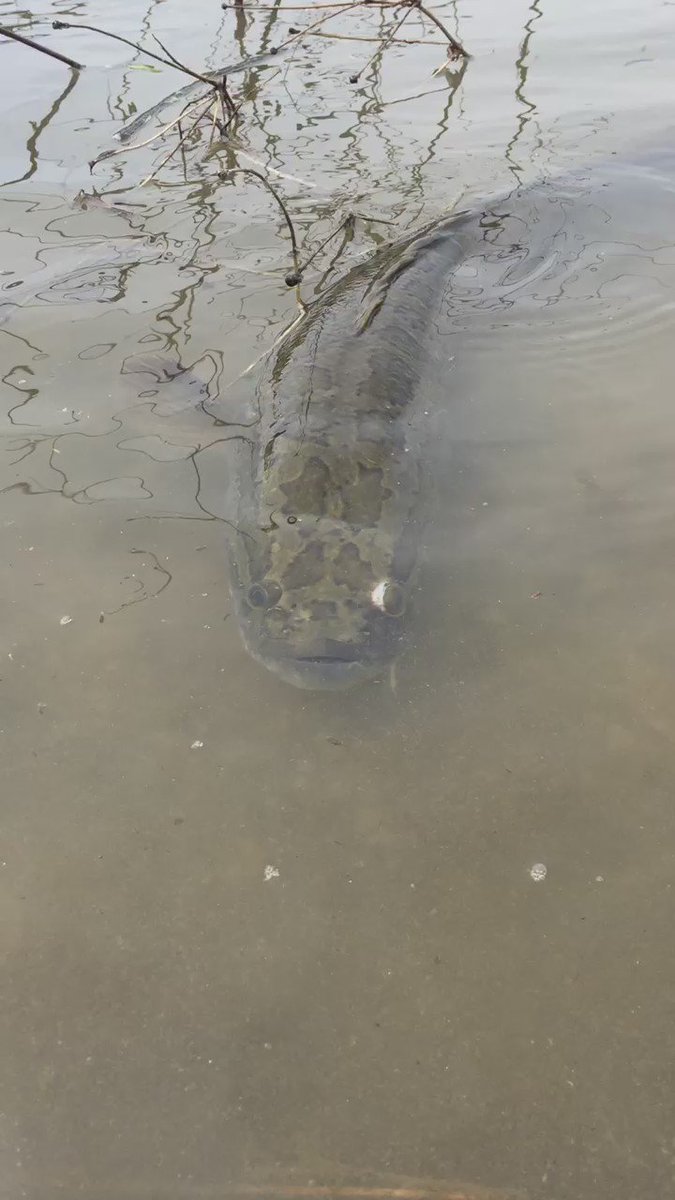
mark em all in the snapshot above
pixel 264 595
pixel 393 600
pixel 389 598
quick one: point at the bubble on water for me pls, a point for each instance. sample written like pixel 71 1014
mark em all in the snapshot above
pixel 65 620
pixel 538 872
pixel 270 872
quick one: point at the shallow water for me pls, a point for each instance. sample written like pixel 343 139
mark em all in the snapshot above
pixel 253 935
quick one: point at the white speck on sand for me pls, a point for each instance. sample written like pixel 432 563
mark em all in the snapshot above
pixel 538 872
pixel 270 872
pixel 65 620
pixel 196 745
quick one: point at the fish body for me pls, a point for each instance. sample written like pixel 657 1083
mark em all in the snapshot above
pixel 328 516
pixel 325 548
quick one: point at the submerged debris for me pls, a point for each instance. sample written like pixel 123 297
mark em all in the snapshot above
pixel 538 872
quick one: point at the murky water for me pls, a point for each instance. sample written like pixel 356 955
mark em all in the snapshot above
pixel 254 935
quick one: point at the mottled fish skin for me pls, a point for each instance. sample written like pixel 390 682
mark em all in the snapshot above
pixel 327 523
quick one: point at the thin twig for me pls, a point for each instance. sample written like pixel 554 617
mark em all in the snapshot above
pixel 301 32
pixel 26 41
pixel 373 220
pixel 118 38
pixel 348 221
pixel 148 141
pixel 456 47
pixel 281 8
pixel 128 131
pixel 179 130
pixel 182 142
pixel 219 104
pixel 345 226
pixel 272 170
pixel 277 342
pixel 226 97
pixel 355 37
pixel 236 109
pixel 175 61
pixel 449 62
pixel 383 46
pixel 295 276
pixel 214 122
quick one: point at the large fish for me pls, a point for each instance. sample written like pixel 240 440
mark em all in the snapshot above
pixel 327 525
pixel 328 519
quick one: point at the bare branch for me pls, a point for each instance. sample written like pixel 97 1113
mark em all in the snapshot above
pixel 118 38
pixel 382 47
pixel 176 61
pixel 356 37
pixel 301 32
pixel 272 170
pixel 178 145
pixel 348 223
pixel 26 41
pixel 281 8
pixel 456 47
pixel 148 141
pixel 295 276
pixel 129 130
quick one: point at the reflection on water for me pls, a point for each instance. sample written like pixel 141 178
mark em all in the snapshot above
pixel 253 934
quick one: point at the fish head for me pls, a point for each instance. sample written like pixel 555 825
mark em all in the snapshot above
pixel 321 602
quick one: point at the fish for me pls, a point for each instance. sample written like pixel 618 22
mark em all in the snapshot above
pixel 324 544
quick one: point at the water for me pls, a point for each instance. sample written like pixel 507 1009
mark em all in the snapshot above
pixel 421 931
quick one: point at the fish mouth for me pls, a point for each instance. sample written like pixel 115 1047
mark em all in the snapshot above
pixel 322 664
pixel 325 658
pixel 325 674
pixel 321 672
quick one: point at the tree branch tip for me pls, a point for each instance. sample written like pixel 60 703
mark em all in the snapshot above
pixel 15 36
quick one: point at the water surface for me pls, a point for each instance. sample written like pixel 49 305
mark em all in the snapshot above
pixel 256 935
